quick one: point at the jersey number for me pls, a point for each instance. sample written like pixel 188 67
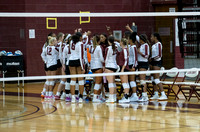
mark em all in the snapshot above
pixel 49 49
pixel 73 46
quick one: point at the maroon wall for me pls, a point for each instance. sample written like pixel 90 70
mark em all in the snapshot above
pixel 32 47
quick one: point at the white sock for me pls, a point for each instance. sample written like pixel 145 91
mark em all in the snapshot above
pixel 63 94
pixel 50 93
pixel 47 94
pixel 58 93
pixel 134 95
pixel 163 93
pixel 156 93
pixel 95 96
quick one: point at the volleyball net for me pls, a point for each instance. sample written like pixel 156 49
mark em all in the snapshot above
pixel 27 32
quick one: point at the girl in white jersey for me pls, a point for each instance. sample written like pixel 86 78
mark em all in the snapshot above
pixel 133 63
pixel 96 65
pixel 61 86
pixel 110 67
pixel 123 63
pixel 143 56
pixel 51 62
pixel 156 56
pixel 43 55
pixel 76 66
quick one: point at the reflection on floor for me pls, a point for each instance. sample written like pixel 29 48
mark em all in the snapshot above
pixel 23 110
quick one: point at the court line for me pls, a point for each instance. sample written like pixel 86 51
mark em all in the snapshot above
pixel 38 109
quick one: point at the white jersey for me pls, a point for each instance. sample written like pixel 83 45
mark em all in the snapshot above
pixel 85 41
pixel 133 57
pixel 61 48
pixel 144 49
pixel 57 48
pixel 156 51
pixel 96 57
pixel 110 58
pixel 43 54
pixel 51 56
pixel 76 52
pixel 65 55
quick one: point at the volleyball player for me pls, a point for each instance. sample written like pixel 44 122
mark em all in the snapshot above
pixel 133 63
pixel 61 86
pixel 143 65
pixel 96 65
pixel 111 67
pixel 66 67
pixel 76 66
pixel 60 38
pixel 123 63
pixel 43 55
pixel 51 62
pixel 156 56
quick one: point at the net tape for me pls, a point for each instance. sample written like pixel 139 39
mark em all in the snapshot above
pixel 96 75
pixel 119 14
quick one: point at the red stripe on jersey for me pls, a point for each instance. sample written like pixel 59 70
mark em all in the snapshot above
pixel 136 58
pixel 146 50
pixel 69 51
pixel 159 49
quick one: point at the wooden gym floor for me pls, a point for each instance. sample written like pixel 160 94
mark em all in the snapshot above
pixel 22 110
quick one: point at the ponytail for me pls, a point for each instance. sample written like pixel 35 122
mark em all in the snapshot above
pixel 111 39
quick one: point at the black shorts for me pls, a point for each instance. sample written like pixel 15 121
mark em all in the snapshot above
pixel 45 67
pixel 144 65
pixel 94 70
pixel 67 71
pixel 156 63
pixel 59 65
pixel 131 66
pixel 125 70
pixel 74 63
pixel 52 68
pixel 112 69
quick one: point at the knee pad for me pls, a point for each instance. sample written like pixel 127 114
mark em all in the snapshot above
pixel 47 82
pixel 142 82
pixel 51 83
pixel 62 82
pixel 111 85
pixel 125 85
pixel 81 82
pixel 97 87
pixel 133 84
pixel 152 78
pixel 67 86
pixel 72 82
pixel 157 81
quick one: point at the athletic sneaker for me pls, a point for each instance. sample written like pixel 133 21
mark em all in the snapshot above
pixel 95 100
pixel 163 97
pixel 73 100
pixel 154 97
pixel 110 100
pixel 62 97
pixel 68 99
pixel 124 100
pixel 143 98
pixel 57 97
pixel 42 94
pixel 134 98
pixel 80 100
